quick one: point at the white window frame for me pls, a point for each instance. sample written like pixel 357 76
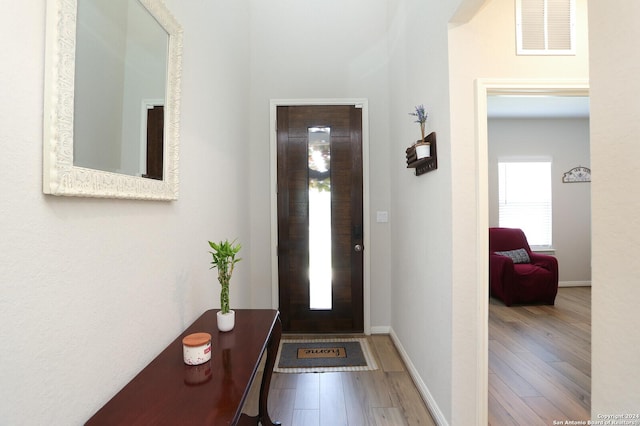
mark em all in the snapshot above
pixel 546 51
pixel 527 159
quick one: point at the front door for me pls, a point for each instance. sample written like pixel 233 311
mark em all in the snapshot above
pixel 320 232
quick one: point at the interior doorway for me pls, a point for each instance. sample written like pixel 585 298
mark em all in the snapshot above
pixel 484 89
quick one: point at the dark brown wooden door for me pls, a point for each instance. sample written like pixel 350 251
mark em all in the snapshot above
pixel 155 142
pixel 320 233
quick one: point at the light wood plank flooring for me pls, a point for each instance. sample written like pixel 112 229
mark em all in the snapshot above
pixel 382 397
pixel 540 360
pixel 539 371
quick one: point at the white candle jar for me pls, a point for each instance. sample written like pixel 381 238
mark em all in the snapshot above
pixel 196 348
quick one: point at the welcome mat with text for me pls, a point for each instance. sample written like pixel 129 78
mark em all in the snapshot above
pixel 324 355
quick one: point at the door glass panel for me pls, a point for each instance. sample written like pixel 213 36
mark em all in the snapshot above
pixel 319 217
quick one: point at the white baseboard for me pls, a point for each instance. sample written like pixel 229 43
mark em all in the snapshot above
pixel 428 399
pixel 380 329
pixel 574 284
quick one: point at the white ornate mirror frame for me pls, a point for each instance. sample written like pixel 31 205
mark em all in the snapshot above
pixel 60 176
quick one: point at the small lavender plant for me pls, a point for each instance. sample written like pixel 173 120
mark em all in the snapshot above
pixel 421 116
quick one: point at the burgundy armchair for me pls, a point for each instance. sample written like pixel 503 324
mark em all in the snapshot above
pixel 518 275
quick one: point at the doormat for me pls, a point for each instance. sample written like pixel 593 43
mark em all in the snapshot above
pixel 324 355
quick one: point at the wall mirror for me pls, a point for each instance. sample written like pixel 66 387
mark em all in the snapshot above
pixel 112 99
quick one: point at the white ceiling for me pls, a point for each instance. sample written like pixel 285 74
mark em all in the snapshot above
pixel 535 106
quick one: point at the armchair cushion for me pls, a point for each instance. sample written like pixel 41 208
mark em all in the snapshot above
pixel 518 256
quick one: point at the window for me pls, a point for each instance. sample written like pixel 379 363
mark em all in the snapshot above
pixel 524 199
pixel 545 27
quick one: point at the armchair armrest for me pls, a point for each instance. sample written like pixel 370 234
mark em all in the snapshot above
pixel 501 271
pixel 499 266
pixel 550 263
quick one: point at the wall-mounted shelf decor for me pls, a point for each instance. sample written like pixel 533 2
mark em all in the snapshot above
pixel 427 164
pixel 577 174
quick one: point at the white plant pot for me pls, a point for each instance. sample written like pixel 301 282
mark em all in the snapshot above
pixel 423 151
pixel 226 322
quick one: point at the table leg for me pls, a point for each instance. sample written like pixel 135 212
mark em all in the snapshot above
pixel 272 352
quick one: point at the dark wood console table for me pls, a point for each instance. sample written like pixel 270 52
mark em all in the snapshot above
pixel 168 392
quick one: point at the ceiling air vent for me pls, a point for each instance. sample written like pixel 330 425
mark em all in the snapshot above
pixel 545 27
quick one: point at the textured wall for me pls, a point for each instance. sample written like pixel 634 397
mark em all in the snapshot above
pixel 421 230
pixel 484 47
pixel 92 290
pixel 615 89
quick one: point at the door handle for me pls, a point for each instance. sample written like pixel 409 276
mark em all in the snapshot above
pixel 358 248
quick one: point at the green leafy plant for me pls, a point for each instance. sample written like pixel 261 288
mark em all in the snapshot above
pixel 224 259
pixel 421 118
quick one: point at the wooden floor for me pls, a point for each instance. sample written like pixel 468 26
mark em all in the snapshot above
pixel 540 361
pixel 539 371
pixel 386 396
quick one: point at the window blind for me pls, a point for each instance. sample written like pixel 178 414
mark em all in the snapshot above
pixel 524 199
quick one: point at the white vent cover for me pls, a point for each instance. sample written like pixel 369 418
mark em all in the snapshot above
pixel 545 27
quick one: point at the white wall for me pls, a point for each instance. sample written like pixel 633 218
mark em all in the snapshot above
pixel 421 302
pixel 329 49
pixel 483 47
pixel 566 142
pixel 93 289
pixel 615 89
pixel 613 64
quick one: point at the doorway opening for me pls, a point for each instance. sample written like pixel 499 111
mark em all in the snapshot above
pixel 484 89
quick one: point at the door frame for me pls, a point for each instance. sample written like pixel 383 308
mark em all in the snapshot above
pixel 485 87
pixel 362 103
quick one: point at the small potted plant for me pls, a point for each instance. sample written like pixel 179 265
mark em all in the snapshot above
pixel 224 259
pixel 423 149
